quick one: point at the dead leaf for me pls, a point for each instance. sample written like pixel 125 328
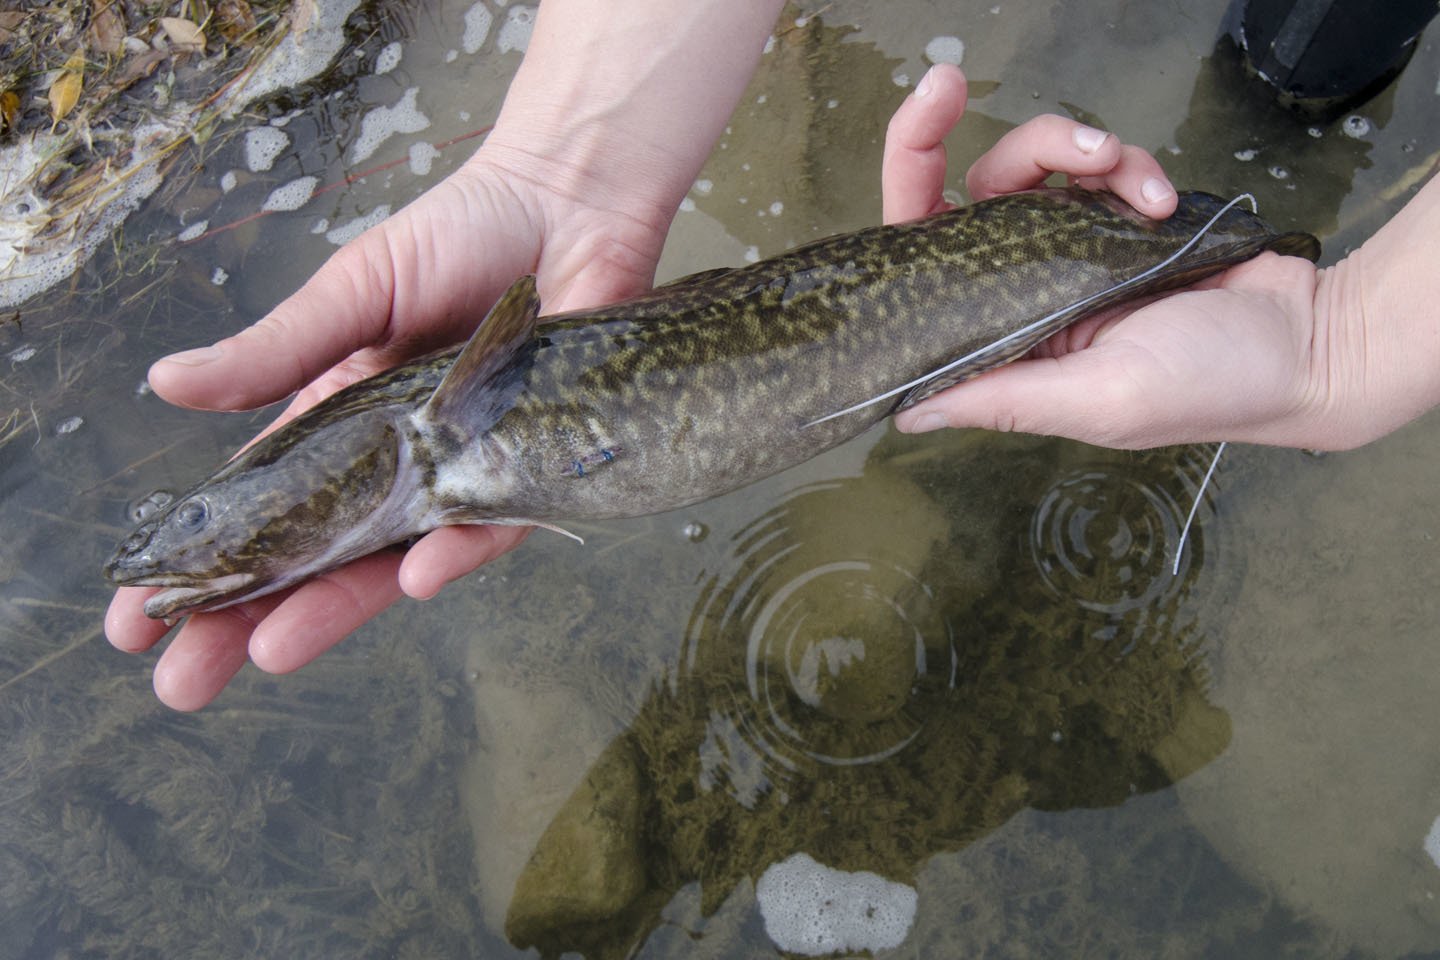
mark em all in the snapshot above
pixel 184 35
pixel 106 33
pixel 235 19
pixel 9 20
pixel 139 65
pixel 65 91
pixel 9 108
pixel 301 12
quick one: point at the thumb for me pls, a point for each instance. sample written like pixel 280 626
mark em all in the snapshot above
pixel 1079 395
pixel 343 307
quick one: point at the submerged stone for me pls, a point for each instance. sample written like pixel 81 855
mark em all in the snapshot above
pixel 586 868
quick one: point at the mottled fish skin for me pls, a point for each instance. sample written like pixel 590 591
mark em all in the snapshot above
pixel 684 393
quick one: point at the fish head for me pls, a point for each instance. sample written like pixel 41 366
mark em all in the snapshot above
pixel 300 501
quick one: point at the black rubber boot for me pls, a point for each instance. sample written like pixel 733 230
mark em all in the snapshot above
pixel 1325 56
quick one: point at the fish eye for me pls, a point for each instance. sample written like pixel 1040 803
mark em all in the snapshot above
pixel 192 514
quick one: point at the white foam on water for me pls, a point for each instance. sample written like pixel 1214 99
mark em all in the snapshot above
pixel 1432 842
pixel 219 277
pixel 816 910
pixel 22 354
pixel 382 123
pixel 69 425
pixel 422 155
pixel 388 58
pixel 945 50
pixel 346 232
pixel 477 27
pixel 1356 126
pixel 30 263
pixel 299 56
pixel 515 31
pixel 262 146
pixel 291 196
pixel 193 231
pixel 227 181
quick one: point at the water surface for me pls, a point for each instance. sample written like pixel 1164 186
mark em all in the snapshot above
pixel 957 661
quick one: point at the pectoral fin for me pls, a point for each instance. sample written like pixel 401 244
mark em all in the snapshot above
pixel 482 382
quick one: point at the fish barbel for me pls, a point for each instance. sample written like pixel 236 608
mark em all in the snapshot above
pixel 686 392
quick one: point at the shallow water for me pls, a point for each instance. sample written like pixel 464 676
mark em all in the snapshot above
pixel 956 661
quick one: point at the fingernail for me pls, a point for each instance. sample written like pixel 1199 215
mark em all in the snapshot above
pixel 922 88
pixel 924 423
pixel 1088 139
pixel 194 358
pixel 1154 190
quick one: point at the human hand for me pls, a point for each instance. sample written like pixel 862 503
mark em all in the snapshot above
pixel 417 281
pixel 610 116
pixel 1270 351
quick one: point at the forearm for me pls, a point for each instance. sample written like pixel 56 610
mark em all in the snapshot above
pixel 1377 327
pixel 619 102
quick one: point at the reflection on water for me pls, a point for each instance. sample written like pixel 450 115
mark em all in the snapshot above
pixel 844 644
pixel 958 662
pixel 1109 540
pixel 872 700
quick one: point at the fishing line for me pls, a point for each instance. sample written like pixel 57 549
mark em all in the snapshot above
pixel 1199 495
pixel 1039 324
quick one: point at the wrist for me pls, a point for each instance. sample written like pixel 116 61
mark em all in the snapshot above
pixel 1375 320
pixel 618 103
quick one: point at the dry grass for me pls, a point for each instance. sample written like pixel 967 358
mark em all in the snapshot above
pixel 94 93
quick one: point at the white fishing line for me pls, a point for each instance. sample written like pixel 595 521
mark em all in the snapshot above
pixel 1039 324
pixel 1199 495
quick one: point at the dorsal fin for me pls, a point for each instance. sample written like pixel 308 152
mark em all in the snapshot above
pixel 473 393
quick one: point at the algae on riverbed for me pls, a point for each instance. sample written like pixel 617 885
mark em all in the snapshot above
pixel 1011 702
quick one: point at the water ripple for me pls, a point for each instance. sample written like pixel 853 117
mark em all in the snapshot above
pixel 1107 541
pixel 845 649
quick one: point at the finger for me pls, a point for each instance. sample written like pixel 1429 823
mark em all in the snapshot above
pixel 1027 155
pixel 449 553
pixel 344 306
pixel 1077 395
pixel 205 655
pixel 324 611
pixel 126 626
pixel 913 172
pixel 1138 180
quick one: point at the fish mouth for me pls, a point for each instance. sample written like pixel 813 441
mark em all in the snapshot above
pixel 183 595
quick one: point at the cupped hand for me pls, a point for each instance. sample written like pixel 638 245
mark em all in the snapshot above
pixel 420 280
pixel 1240 356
